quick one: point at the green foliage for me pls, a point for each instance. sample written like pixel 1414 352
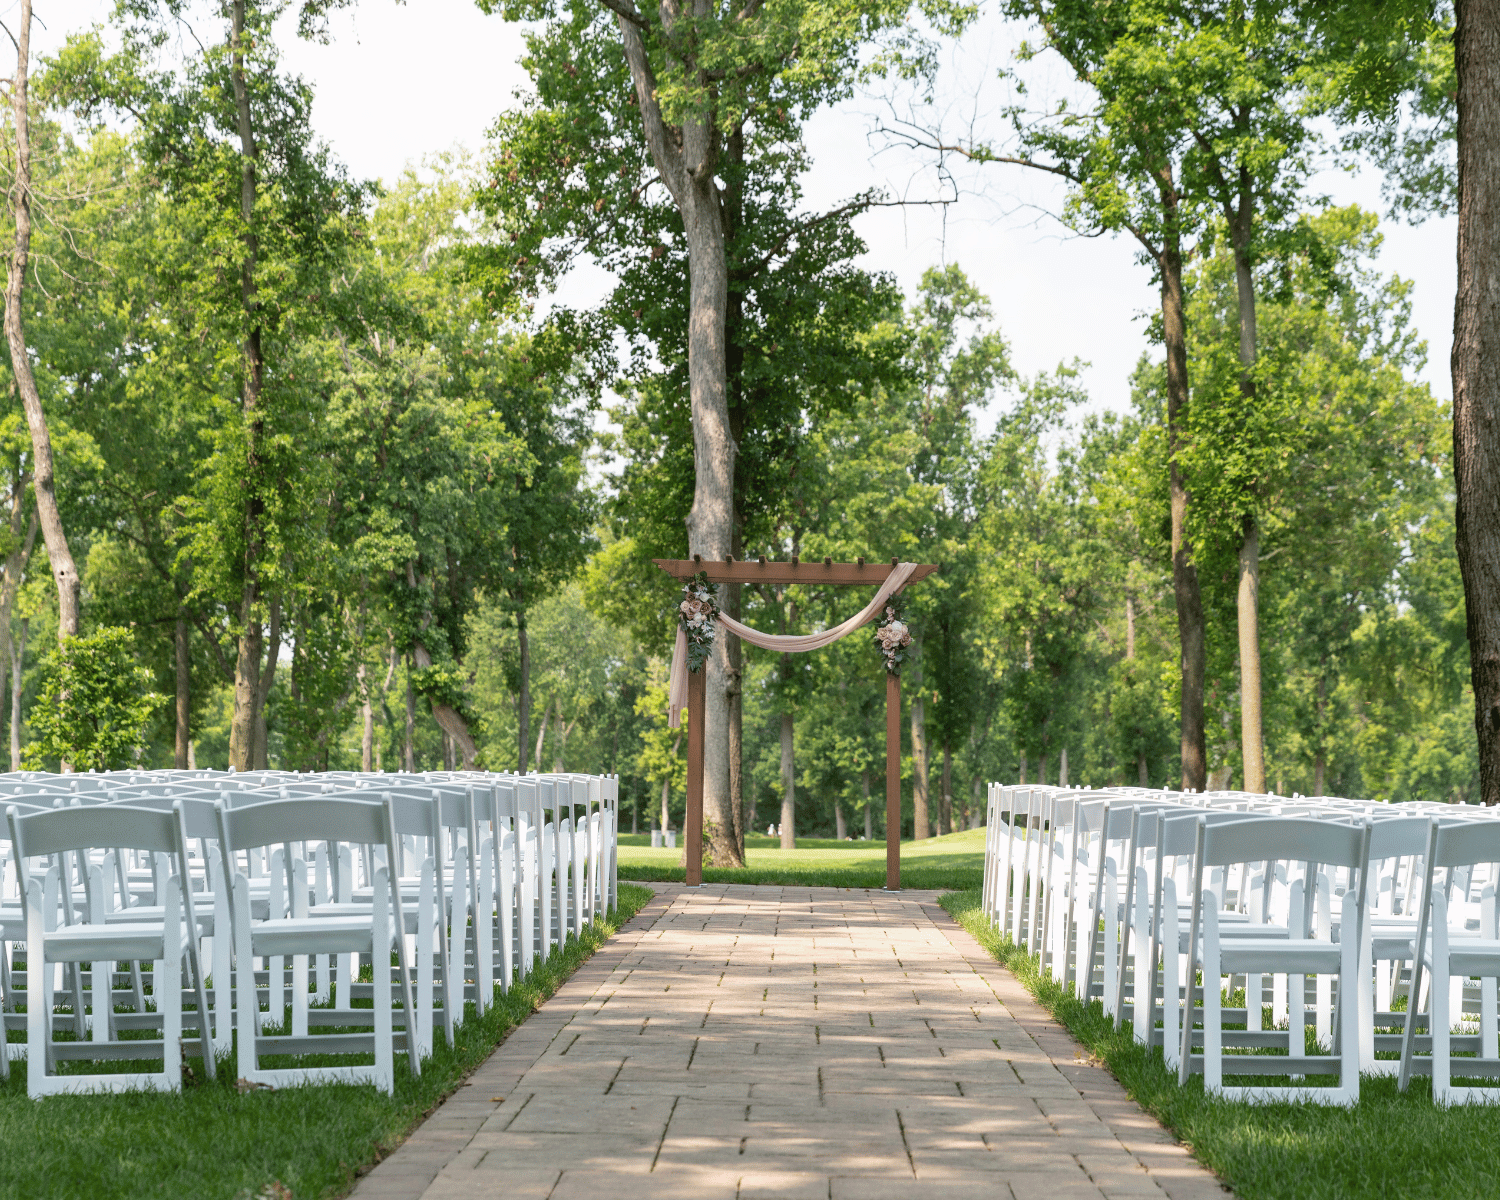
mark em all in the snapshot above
pixel 94 704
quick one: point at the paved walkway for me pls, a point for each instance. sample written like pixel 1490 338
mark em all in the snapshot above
pixel 747 1042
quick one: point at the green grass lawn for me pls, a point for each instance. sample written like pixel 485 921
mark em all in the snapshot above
pixel 1389 1145
pixel 954 861
pixel 211 1141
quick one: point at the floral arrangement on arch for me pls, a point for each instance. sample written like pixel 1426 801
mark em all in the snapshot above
pixel 892 635
pixel 697 615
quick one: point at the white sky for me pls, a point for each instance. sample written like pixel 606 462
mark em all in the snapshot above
pixel 401 81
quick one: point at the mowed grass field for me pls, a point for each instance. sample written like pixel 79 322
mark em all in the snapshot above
pixel 954 861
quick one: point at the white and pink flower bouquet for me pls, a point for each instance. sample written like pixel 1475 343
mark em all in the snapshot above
pixel 892 635
pixel 697 615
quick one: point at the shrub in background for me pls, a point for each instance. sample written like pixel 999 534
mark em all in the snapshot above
pixel 94 703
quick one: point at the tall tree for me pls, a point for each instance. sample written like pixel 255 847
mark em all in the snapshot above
pixel 229 138
pixel 712 86
pixel 1476 366
pixel 64 571
pixel 1122 152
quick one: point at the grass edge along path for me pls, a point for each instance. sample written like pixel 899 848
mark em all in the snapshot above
pixel 302 1143
pixel 1388 1145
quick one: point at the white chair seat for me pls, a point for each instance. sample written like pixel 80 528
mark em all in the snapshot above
pixel 1279 955
pixel 314 935
pixel 81 943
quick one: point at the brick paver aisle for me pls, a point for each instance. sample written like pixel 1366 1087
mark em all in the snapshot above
pixel 740 1042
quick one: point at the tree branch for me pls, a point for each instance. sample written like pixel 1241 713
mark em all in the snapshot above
pixel 670 164
pixel 626 12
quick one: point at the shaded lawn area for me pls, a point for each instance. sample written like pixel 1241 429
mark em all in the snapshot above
pixel 1389 1145
pixel 210 1140
pixel 953 861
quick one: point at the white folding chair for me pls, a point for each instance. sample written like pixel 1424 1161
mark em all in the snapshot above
pixel 1318 845
pixel 67 833
pixel 336 821
pixel 1446 953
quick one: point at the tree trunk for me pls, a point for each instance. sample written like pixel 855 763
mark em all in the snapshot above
pixel 1062 768
pixel 1252 738
pixel 184 691
pixel 1248 606
pixel 15 566
pixel 1041 769
pixel 64 572
pixel 1185 589
pixel 245 725
pixel 736 400
pixel 840 830
pixel 541 733
pixel 523 704
pixel 263 688
pixel 1023 768
pixel 864 783
pixel 1476 368
pixel 246 686
pixel 945 802
pixel 367 722
pixel 562 741
pixel 409 748
pixel 920 825
pixel 449 718
pixel 686 159
pixel 1141 770
pixel 17 665
pixel 978 814
pixel 788 786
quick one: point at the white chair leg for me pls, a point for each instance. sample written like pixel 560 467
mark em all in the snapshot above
pixel 380 958
pixel 1213 1039
pixel 1438 1017
pixel 247 996
pixel 1111 936
pixel 426 949
pixel 1171 974
pixel 300 974
pixel 169 989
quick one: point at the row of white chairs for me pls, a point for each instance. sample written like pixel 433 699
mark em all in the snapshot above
pixel 423 895
pixel 1370 928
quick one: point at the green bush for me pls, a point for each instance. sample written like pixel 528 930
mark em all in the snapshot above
pixel 94 703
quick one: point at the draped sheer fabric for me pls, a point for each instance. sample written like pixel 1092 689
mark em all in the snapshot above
pixel 787 643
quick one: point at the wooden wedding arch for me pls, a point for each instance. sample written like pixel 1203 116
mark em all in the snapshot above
pixel 827 572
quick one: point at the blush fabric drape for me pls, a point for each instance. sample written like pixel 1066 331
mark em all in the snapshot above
pixel 787 643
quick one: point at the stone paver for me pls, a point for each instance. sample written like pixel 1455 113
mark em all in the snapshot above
pixel 747 1042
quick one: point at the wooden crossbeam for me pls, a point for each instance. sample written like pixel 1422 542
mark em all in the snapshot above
pixel 796 571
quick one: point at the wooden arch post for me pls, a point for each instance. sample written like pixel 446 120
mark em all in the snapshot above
pixel 827 572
